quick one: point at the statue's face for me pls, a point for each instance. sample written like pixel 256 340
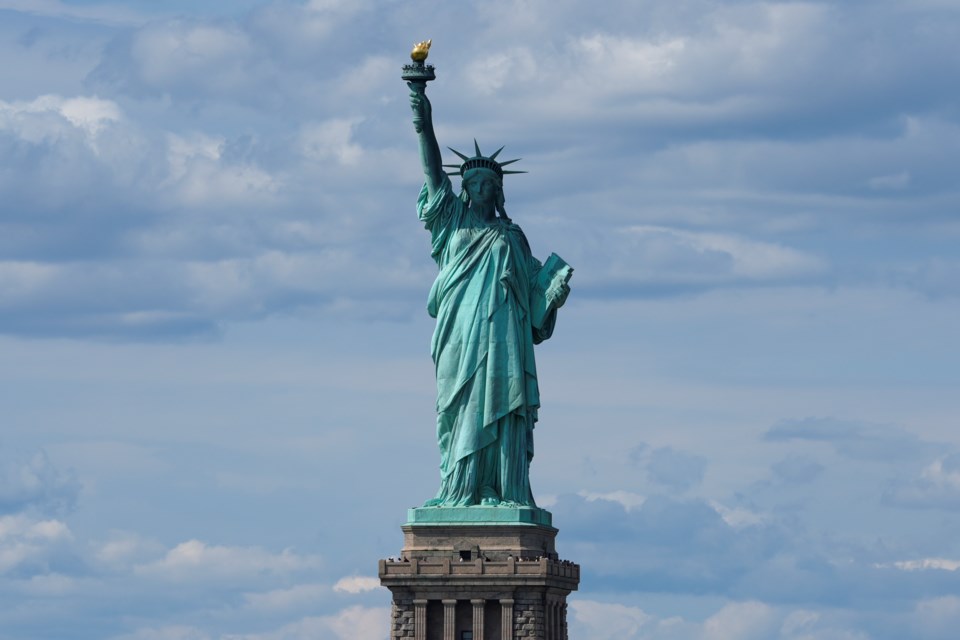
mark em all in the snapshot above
pixel 482 187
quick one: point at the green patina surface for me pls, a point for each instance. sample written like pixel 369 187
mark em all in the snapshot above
pixel 480 515
pixel 493 301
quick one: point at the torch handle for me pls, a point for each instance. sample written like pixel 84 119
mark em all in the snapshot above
pixel 419 86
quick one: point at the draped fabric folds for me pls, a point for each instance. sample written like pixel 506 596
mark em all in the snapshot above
pixel 487 394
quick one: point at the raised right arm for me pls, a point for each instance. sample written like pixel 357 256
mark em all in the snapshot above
pixel 429 148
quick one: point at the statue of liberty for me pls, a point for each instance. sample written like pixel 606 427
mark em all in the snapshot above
pixel 493 301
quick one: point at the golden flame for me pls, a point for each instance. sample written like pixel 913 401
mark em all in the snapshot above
pixel 420 51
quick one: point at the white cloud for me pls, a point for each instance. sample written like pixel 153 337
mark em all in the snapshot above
pixel 636 61
pixel 893 181
pixel 735 620
pixel 200 176
pixel 738 517
pixel 331 140
pixel 299 596
pixel 937 487
pixel 56 585
pixel 20 279
pixel 356 584
pixel 490 73
pixel 169 632
pixel 937 618
pixel 196 561
pixel 31 120
pixel 36 483
pixel 924 564
pixel 90 114
pixel 627 499
pixel 747 258
pixel 742 620
pixel 167 54
pixel 603 621
pixel 111 14
pixel 799 621
pixel 125 548
pixel 656 256
pixel 353 623
pixel 28 542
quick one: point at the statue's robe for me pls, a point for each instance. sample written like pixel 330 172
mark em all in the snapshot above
pixel 487 394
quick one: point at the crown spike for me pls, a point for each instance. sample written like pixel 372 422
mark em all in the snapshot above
pixel 480 161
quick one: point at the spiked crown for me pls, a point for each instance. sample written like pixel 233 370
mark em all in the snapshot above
pixel 480 161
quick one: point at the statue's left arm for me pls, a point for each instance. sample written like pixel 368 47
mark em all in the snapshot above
pixel 549 291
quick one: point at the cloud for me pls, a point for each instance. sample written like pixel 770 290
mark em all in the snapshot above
pixel 738 517
pixel 331 140
pixel 44 118
pixel 926 564
pixel 936 277
pixel 169 162
pixel 667 545
pixel 200 175
pixel 352 623
pixel 773 554
pixel 664 259
pixel 797 469
pixel 627 499
pixel 105 13
pixel 937 487
pixel 675 469
pixel 892 181
pixel 356 584
pixel 180 56
pixel 195 561
pixel 123 549
pixel 296 597
pixel 861 441
pixel 29 546
pixel 170 632
pixel 603 621
pixel 937 618
pixel 36 484
pixel 743 620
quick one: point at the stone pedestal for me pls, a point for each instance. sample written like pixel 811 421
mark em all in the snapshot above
pixel 469 574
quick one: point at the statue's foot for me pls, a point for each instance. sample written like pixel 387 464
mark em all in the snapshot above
pixel 433 502
pixel 490 502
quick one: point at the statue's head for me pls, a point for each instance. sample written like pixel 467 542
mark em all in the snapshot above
pixel 483 186
pixel 482 177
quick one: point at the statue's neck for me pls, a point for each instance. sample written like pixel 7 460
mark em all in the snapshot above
pixel 484 212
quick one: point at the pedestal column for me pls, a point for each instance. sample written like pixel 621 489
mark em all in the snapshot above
pixel 506 619
pixel 449 619
pixel 549 622
pixel 419 620
pixel 478 618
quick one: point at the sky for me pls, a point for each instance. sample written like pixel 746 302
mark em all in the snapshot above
pixel 216 394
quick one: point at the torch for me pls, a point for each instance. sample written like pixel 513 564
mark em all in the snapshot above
pixel 418 74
